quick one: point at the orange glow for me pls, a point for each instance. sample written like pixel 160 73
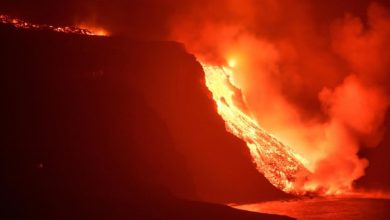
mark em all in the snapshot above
pixel 18 23
pixel 321 93
pixel 98 31
pixel 232 63
pixel 303 117
pixel 283 167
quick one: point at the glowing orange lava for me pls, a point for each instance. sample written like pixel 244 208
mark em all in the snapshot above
pixel 18 23
pixel 283 167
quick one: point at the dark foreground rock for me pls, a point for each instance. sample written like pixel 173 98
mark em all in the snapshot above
pixel 107 128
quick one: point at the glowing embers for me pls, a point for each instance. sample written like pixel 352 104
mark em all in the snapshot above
pixel 18 23
pixel 280 164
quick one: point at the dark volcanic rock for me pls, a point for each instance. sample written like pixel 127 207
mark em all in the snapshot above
pixel 109 128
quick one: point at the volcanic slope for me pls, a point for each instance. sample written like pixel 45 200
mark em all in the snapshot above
pixel 95 125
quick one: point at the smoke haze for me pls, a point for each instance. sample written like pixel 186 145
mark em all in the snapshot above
pixel 317 85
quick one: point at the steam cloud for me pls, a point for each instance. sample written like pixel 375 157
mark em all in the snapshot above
pixel 319 85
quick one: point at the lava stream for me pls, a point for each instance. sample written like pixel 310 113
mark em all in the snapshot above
pixel 283 167
pixel 18 23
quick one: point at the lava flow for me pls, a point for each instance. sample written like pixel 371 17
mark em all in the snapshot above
pixel 283 167
pixel 18 23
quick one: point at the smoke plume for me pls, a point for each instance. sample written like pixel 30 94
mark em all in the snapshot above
pixel 319 85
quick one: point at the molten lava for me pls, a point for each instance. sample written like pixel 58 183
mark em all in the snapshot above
pixel 283 167
pixel 18 23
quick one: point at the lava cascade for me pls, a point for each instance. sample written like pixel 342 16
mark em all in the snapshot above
pixel 283 167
